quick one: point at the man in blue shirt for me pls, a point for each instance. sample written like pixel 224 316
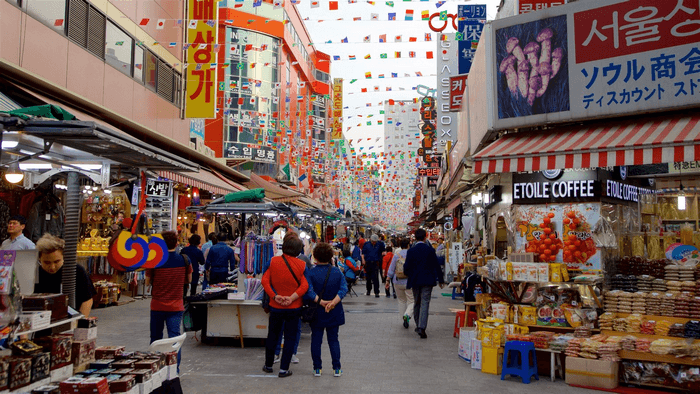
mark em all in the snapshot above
pixel 17 240
pixel 423 271
pixel 372 260
pixel 196 259
pixel 220 260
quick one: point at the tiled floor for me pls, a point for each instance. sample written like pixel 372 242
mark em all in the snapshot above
pixel 378 355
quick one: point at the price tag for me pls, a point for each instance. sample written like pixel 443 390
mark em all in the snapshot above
pixel 48 217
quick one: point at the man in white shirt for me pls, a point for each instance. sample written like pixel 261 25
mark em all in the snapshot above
pixel 17 240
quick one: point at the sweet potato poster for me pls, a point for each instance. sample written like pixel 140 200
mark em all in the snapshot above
pixel 559 233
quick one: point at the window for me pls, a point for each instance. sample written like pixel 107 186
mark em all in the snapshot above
pixel 49 12
pixel 118 49
pixel 138 63
pixel 151 64
pixel 86 26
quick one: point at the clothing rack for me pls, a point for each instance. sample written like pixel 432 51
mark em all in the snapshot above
pixel 255 254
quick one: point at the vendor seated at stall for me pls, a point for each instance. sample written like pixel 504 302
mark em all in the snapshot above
pixel 50 249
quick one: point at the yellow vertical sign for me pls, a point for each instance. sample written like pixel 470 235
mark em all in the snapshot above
pixel 200 100
pixel 337 133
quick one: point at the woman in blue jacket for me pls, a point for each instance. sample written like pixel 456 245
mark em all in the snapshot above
pixel 330 315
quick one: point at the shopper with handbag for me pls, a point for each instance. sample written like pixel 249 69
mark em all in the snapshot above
pixel 285 284
pixel 327 287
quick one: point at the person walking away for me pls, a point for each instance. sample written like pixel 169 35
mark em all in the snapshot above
pixel 422 270
pixel 397 274
pixel 440 252
pixel 196 259
pixel 220 260
pixel 386 262
pixel 167 283
pixel 17 240
pixel 285 283
pixel 50 249
pixel 372 258
pixel 327 287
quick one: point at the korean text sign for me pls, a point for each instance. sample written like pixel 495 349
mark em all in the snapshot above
pixel 257 153
pixel 337 133
pixel 200 98
pixel 457 85
pixel 604 58
pixel 470 25
pixel 525 6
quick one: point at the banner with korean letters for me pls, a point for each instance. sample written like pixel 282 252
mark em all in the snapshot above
pixel 595 59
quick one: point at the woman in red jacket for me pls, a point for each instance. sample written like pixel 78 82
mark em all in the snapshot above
pixel 286 284
pixel 386 262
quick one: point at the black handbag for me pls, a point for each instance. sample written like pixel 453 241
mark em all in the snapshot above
pixel 266 302
pixel 309 311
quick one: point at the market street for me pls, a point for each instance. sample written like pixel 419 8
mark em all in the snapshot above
pixel 377 354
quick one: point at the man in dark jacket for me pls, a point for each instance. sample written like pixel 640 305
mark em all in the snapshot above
pixel 423 272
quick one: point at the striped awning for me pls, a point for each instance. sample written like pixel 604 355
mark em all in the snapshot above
pixel 648 141
pixel 204 180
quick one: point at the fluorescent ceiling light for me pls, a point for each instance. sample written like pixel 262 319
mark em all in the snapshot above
pixel 34 166
pixel 9 144
pixel 85 166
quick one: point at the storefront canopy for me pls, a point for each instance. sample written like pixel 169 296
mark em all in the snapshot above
pixel 204 179
pixel 92 139
pixel 653 140
pixel 273 191
pixel 245 207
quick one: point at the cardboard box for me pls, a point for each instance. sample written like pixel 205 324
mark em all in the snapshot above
pixel 464 351
pixel 492 360
pixel 84 334
pixel 476 354
pixel 592 373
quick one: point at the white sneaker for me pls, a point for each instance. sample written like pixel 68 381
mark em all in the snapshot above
pixel 295 359
pixel 277 359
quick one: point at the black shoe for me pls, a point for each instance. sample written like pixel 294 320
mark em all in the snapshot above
pixel 422 334
pixel 284 374
pixel 405 321
pixel 267 369
pixel 394 296
pixel 368 293
pixel 376 295
pixel 416 329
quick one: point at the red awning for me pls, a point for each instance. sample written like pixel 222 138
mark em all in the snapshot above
pixel 647 141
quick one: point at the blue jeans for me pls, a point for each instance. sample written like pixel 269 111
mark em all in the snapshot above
pixel 333 345
pixel 421 297
pixel 289 320
pixel 173 321
pixel 296 344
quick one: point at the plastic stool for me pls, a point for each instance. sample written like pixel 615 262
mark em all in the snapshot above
pixel 455 294
pixel 519 364
pixel 471 319
pixel 459 322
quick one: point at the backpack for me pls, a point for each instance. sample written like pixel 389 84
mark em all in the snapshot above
pixel 400 261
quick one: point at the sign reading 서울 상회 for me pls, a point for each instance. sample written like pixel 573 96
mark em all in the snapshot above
pixel 200 100
pixel 595 59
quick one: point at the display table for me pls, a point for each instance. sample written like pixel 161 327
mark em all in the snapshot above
pixel 234 319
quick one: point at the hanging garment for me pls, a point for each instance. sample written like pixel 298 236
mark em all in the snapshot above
pixel 46 216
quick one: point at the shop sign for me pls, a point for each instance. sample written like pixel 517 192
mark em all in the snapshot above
pixel 432 182
pixel 429 171
pixel 684 167
pixel 428 115
pixel 571 186
pixel 200 99
pixel 469 28
pixel 494 195
pixel 525 6
pixel 625 192
pixel 257 153
pixel 447 66
pixel 337 109
pixel 600 59
pixel 457 86
pixel 156 188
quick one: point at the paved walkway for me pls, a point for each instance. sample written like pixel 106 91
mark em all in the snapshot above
pixel 378 355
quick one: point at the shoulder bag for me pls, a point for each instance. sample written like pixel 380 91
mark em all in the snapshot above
pixel 309 311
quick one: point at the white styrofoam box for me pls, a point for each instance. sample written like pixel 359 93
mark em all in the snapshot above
pixel 84 334
pixel 466 334
pixel 476 354
pixel 158 378
pixel 37 319
pixel 61 374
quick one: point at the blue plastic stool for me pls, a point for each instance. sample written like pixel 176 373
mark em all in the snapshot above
pixel 519 364
pixel 455 294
